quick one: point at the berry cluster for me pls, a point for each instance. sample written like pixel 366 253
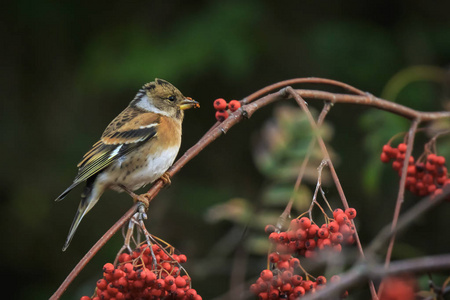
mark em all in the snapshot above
pixel 221 106
pixel 428 175
pixel 284 284
pixel 305 238
pixel 131 279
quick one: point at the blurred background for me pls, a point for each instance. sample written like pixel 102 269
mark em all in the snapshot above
pixel 69 67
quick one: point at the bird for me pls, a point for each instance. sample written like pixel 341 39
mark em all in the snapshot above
pixel 136 148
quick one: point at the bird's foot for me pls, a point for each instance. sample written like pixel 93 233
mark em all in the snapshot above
pixel 142 199
pixel 165 179
pixel 137 198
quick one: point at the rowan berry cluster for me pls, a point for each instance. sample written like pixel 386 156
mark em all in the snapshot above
pixel 131 279
pixel 306 239
pixel 303 238
pixel 221 107
pixel 428 175
pixel 285 284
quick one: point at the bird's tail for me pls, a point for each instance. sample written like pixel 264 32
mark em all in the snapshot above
pixel 64 194
pixel 89 198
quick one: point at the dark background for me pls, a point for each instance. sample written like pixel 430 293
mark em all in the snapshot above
pixel 69 67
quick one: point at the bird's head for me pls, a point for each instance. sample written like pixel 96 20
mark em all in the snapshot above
pixel 162 97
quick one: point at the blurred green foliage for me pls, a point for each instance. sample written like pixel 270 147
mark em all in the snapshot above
pixel 70 67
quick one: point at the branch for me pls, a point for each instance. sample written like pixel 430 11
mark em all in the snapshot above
pixel 401 191
pixel 363 272
pixel 250 105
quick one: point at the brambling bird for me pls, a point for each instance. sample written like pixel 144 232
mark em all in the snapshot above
pixel 136 148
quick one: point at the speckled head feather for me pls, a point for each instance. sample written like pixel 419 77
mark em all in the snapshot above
pixel 160 97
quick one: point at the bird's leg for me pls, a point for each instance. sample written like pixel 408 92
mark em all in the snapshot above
pixel 165 179
pixel 137 198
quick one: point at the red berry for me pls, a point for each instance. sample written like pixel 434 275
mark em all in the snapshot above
pixel 384 157
pixel 337 238
pixel 296 280
pixel 274 257
pixel 291 235
pixel 169 280
pixel 286 276
pixel 180 282
pixel 351 213
pixel 182 258
pixel 112 290
pixel 234 105
pixel 274 294
pixel 85 298
pixel 120 296
pixel 269 229
pixel 324 244
pixel 283 265
pixel 220 104
pixel 387 148
pixel 263 296
pixel 124 257
pixel 341 218
pixel 273 237
pixel 337 248
pixel 301 234
pixel 333 226
pixel 305 222
pixel 294 224
pixel 310 254
pixel 402 147
pixel 323 233
pixel 299 291
pixel 440 160
pixel 336 212
pixel 266 275
pixel 431 158
pixel 122 283
pixel 345 230
pixel 108 268
pixel 294 262
pixel 191 293
pixel 150 277
pixel 307 285
pixel 310 244
pixel 335 278
pixel 321 280
pixel 312 231
pixel 102 284
pixel 221 115
pixel 396 165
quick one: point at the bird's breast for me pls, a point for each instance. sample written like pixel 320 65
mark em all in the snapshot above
pixel 138 169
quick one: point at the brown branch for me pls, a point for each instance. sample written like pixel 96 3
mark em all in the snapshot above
pixel 246 111
pixel 401 191
pixel 363 272
pixel 337 182
pixel 370 100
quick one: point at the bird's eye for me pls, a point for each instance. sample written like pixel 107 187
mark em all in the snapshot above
pixel 171 98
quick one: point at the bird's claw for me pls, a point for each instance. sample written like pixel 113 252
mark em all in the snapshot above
pixel 166 179
pixel 143 200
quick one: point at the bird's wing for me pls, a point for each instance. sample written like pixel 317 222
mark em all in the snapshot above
pixel 126 132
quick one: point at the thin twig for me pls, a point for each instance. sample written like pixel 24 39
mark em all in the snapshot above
pixel 401 191
pixel 326 155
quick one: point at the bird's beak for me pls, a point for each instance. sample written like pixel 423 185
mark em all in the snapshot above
pixel 188 103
